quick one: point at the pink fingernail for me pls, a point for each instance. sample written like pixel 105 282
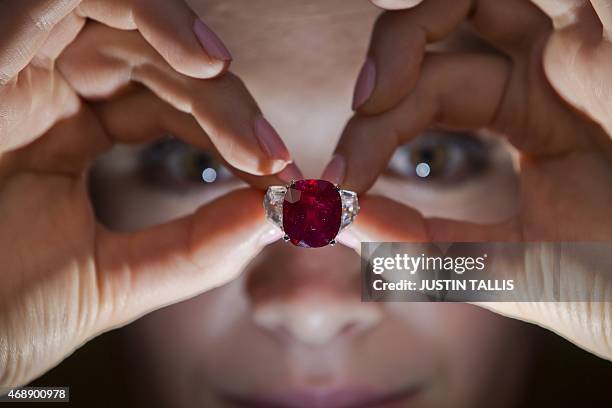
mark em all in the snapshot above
pixel 349 239
pixel 270 236
pixel 365 83
pixel 290 173
pixel 210 42
pixel 335 170
pixel 269 141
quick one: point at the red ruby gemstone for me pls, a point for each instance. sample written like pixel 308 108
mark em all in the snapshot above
pixel 312 211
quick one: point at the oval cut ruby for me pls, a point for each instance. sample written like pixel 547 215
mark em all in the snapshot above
pixel 312 212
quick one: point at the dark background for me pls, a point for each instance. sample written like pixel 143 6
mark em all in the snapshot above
pixel 101 375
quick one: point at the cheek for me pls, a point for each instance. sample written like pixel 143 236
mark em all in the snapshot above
pixel 210 344
pixel 459 329
pixel 193 347
pixel 477 350
pixel 125 203
pixel 194 327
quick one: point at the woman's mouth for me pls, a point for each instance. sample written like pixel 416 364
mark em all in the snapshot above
pixel 342 397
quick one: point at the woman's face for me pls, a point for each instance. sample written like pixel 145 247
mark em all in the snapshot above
pixel 291 331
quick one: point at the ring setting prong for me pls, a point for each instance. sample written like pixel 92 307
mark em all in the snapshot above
pixel 332 242
pixel 286 238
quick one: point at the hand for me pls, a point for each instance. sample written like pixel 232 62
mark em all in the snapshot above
pixel 564 157
pixel 577 56
pixel 63 277
pixel 27 67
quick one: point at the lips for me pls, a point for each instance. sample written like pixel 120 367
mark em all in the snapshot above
pixel 346 397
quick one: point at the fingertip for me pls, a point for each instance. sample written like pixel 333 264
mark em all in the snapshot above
pixel 210 70
pixel 335 170
pixel 270 141
pixel 392 68
pixel 349 239
pixel 185 42
pixel 270 236
pixel 366 144
pixel 211 43
pixel 396 4
pixel 291 172
pixel 250 201
pixel 366 82
pixel 218 56
pixel 358 185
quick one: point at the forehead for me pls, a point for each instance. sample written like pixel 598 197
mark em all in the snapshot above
pixel 300 60
pixel 305 12
pixel 319 33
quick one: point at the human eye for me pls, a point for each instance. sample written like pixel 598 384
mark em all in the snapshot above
pixel 173 164
pixel 440 157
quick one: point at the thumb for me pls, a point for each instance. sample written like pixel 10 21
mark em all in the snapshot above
pixel 574 273
pixel 396 4
pixel 143 271
pixel 384 220
pixel 578 273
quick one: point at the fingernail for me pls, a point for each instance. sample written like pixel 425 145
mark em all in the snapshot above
pixel 270 236
pixel 290 173
pixel 335 170
pixel 210 42
pixel 347 238
pixel 269 141
pixel 365 83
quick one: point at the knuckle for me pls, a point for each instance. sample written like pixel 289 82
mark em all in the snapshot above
pixel 5 78
pixel 42 21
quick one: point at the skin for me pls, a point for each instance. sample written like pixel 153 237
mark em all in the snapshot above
pixel 99 267
pixel 252 336
pixel 48 177
pixel 271 304
pixel 562 153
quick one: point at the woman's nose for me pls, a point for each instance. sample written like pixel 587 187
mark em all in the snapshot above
pixel 316 320
pixel 309 296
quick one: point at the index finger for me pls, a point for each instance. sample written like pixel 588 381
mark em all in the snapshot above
pixel 384 220
pixel 392 67
pixel 171 27
pixel 396 4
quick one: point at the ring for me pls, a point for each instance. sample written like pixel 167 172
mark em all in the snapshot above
pixel 311 213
